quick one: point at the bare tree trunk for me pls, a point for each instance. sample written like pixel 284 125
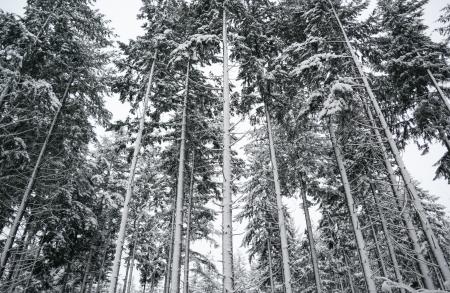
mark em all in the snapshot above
pixel 387 235
pixel 377 246
pixel 365 263
pixel 349 274
pixel 100 273
pixel 87 270
pixel 123 223
pixel 312 244
pixel 188 228
pixel 176 261
pixel 269 250
pixel 227 218
pixel 444 98
pixel 130 277
pixel 410 228
pixel 15 225
pixel 91 281
pixel 127 271
pixel 35 259
pixel 427 229
pixel 281 220
pixel 169 258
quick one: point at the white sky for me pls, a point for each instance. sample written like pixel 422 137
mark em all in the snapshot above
pixel 123 19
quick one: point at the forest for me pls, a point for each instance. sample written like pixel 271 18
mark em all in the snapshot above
pixel 236 107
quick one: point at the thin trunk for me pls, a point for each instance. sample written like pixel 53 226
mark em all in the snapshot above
pixel 87 270
pixel 91 281
pixel 130 278
pixel 127 271
pixel 377 246
pixel 405 214
pixel 361 245
pixel 18 271
pixel 188 228
pixel 123 223
pixel 281 220
pixel 100 273
pixel 427 229
pixel 176 261
pixel 227 218
pixel 66 278
pixel 269 250
pixel 444 98
pixel 35 259
pixel 312 244
pixel 18 255
pixel 20 212
pixel 349 274
pixel 387 235
pixel 169 257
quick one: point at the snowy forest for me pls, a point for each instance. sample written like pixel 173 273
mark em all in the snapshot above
pixel 237 110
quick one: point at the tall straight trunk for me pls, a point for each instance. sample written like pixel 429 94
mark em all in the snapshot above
pixel 130 278
pixel 360 243
pixel 169 256
pixel 406 216
pixel 127 271
pixel 444 98
pixel 281 220
pixel 100 273
pixel 269 250
pixel 312 244
pixel 18 255
pixel 227 218
pixel 87 270
pixel 91 281
pixel 23 205
pixel 35 259
pixel 188 227
pixel 123 223
pixel 178 234
pixel 19 266
pixel 427 229
pixel 387 235
pixel 349 274
pixel 377 247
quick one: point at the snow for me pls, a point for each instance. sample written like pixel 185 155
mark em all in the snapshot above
pixel 315 61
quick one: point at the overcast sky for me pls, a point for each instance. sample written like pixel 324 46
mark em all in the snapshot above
pixel 122 14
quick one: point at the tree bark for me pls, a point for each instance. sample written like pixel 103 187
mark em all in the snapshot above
pixel 312 244
pixel 188 228
pixel 444 98
pixel 227 218
pixel 427 229
pixel 130 277
pixel 377 246
pixel 87 270
pixel 100 273
pixel 349 274
pixel 387 235
pixel 127 271
pixel 269 250
pixel 20 212
pixel 169 257
pixel 281 220
pixel 123 223
pixel 406 216
pixel 365 263
pixel 176 261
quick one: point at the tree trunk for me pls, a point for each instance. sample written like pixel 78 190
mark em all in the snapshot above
pixel 123 223
pixel 227 218
pixel 127 271
pixel 15 225
pixel 87 270
pixel 428 231
pixel 312 244
pixel 410 228
pixel 444 98
pixel 281 220
pixel 169 257
pixel 176 261
pixel 188 228
pixel 91 281
pixel 130 277
pixel 349 274
pixel 269 250
pixel 377 246
pixel 387 235
pixel 100 273
pixel 35 259
pixel 365 263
